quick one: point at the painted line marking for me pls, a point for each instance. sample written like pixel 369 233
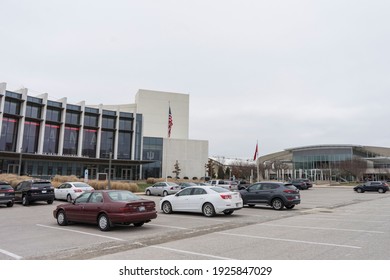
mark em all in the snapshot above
pixel 156 225
pixel 340 220
pixel 12 255
pixel 322 228
pixel 81 232
pixel 190 253
pixel 291 240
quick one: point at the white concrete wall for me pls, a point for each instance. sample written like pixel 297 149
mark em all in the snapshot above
pixel 192 156
pixel 154 106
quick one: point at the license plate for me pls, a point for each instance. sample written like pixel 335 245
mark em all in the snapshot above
pixel 141 208
pixel 43 191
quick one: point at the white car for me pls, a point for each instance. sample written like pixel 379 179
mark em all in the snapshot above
pixel 70 190
pixel 209 200
pixel 162 188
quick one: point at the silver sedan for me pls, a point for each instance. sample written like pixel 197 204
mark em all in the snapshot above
pixel 162 188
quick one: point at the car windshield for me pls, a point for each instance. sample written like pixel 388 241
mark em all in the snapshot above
pixel 123 196
pixel 219 189
pixel 42 184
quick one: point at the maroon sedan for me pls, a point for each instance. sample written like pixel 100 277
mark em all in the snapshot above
pixel 106 208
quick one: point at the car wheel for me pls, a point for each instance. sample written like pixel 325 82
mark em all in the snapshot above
pixel 228 212
pixel 10 204
pixel 277 204
pixel 359 190
pixel 380 190
pixel 208 210
pixel 148 192
pixel 167 207
pixel 251 205
pixel 69 198
pixel 25 201
pixel 290 206
pixel 50 202
pixel 139 224
pixel 61 218
pixel 165 193
pixel 104 222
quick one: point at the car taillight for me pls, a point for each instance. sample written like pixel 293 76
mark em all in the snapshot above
pixel 78 190
pixel 226 196
pixel 289 191
pixel 126 208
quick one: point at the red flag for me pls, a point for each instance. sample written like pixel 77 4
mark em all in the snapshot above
pixel 170 122
pixel 256 151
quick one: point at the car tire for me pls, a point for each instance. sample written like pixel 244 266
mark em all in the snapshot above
pixel 104 222
pixel 251 205
pixel 61 218
pixel 290 206
pixel 138 224
pixel 359 190
pixel 380 190
pixel 166 207
pixel 69 198
pixel 165 193
pixel 50 201
pixel 25 201
pixel 208 210
pixel 277 204
pixel 10 204
pixel 228 212
pixel 148 192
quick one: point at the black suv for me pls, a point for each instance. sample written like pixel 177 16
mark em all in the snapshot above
pixel 302 184
pixel 7 194
pixel 34 190
pixel 373 186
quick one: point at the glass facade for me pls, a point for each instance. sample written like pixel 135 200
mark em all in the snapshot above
pixel 9 134
pixel 153 150
pixel 320 158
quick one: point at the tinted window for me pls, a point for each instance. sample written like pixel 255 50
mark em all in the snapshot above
pixel 5 187
pixel 186 191
pixel 83 198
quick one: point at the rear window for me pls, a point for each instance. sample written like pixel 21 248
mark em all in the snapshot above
pixel 81 185
pixel 42 184
pixel 123 196
pixel 5 187
pixel 219 189
pixel 290 186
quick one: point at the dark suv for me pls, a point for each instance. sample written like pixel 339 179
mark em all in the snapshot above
pixel 275 194
pixel 302 184
pixel 374 186
pixel 34 190
pixel 7 194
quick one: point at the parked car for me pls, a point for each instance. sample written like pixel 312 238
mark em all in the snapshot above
pixel 373 186
pixel 275 194
pixel 227 184
pixel 186 184
pixel 162 188
pixel 71 190
pixel 30 191
pixel 209 200
pixel 302 184
pixel 106 208
pixel 7 194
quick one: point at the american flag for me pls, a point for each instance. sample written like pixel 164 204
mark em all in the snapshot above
pixel 170 122
pixel 256 151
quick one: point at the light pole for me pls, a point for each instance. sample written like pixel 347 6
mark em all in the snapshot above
pixel 109 171
pixel 20 161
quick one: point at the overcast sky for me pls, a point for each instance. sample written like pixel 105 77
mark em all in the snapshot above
pixel 284 73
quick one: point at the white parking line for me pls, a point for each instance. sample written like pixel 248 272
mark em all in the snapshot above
pixel 81 232
pixel 289 240
pixel 156 225
pixel 12 255
pixel 322 228
pixel 190 253
pixel 340 220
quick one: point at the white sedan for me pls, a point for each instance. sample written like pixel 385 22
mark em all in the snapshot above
pixel 208 200
pixel 70 190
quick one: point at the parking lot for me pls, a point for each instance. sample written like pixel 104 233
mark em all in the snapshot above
pixel 331 223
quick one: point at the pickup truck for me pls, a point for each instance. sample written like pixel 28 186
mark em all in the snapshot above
pixel 230 185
